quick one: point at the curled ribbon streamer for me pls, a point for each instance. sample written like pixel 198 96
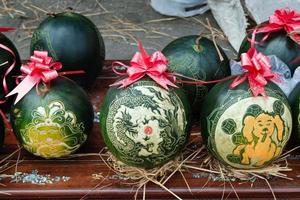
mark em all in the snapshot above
pixel 5 87
pixel 284 19
pixel 40 68
pixel 154 66
pixel 10 68
pixel 258 72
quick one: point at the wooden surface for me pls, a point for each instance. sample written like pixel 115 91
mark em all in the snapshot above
pixel 82 183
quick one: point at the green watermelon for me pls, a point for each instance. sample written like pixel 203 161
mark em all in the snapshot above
pixel 75 41
pixel 196 61
pixel 2 132
pixel 54 124
pixel 5 56
pixel 294 99
pixel 278 44
pixel 145 125
pixel 243 131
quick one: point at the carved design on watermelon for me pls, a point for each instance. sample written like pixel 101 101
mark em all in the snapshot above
pixel 260 138
pixel 146 123
pixel 38 38
pixel 229 126
pixel 299 116
pixel 53 131
pixel 176 64
pixel 249 132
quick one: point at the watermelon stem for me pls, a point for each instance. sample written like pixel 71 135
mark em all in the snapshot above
pixel 44 89
pixel 198 47
pixel 51 14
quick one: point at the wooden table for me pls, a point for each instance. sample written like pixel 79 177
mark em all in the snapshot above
pixel 82 183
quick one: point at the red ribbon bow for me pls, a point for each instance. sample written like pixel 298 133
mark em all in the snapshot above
pixel 258 72
pixel 39 68
pixel 154 66
pixel 286 19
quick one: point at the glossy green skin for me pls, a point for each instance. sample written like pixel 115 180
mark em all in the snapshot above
pixel 73 40
pixel 2 133
pixel 61 89
pixel 111 95
pixel 294 99
pixel 201 63
pixel 218 97
pixel 10 78
pixel 278 44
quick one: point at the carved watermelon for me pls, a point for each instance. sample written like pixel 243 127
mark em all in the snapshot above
pixel 144 125
pixel 245 131
pixel 294 99
pixel 196 61
pixel 55 124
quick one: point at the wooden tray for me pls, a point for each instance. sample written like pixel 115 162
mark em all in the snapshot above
pixel 82 183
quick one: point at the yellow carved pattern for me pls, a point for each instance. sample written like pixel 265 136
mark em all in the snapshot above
pixel 54 132
pixel 263 134
pixel 48 142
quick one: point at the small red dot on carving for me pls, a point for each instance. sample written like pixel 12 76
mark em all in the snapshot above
pixel 148 130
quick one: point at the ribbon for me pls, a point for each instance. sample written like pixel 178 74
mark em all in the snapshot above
pixel 5 87
pixel 258 72
pixel 10 68
pixel 6 29
pixel 284 19
pixel 257 66
pixel 154 66
pixel 40 68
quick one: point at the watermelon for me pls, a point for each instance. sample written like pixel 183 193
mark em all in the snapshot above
pixel 196 60
pixel 75 41
pixel 145 125
pixel 54 124
pixel 243 131
pixel 278 44
pixel 2 132
pixel 6 56
pixel 294 99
